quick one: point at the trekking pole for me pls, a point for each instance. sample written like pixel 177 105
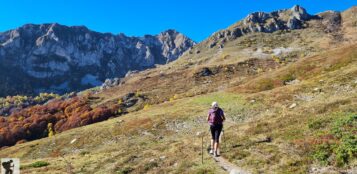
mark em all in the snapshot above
pixel 223 145
pixel 202 150
pixel 200 134
pixel 221 138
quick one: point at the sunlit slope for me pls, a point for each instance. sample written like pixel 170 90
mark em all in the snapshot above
pixel 270 128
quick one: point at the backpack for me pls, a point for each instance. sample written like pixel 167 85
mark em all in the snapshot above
pixel 6 165
pixel 215 116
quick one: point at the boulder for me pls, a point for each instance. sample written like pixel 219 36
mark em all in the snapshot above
pixel 292 106
pixel 205 72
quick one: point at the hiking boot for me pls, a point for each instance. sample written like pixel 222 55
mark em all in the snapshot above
pixel 211 152
pixel 215 154
pixel 218 153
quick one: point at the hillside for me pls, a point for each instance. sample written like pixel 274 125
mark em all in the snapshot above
pixel 289 96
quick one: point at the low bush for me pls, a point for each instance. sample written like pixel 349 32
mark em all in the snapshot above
pixel 125 170
pixel 38 164
pixel 264 84
pixel 344 147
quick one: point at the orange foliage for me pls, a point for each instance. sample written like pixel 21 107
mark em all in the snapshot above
pixel 31 123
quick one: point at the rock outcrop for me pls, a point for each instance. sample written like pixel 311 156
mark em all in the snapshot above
pixel 58 58
pixel 288 19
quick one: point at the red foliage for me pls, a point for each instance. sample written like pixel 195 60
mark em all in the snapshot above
pixel 31 123
pixel 309 142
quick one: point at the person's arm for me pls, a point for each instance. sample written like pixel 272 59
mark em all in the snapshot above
pixel 223 116
pixel 208 117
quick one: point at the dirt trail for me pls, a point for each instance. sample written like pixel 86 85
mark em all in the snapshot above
pixel 229 167
pixel 225 164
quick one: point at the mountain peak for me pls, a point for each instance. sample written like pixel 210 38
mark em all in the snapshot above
pixel 170 31
pixel 298 8
pixel 300 13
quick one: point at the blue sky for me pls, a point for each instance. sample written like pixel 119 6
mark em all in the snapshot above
pixel 197 19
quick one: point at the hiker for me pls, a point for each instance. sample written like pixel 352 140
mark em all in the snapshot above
pixel 215 119
pixel 7 166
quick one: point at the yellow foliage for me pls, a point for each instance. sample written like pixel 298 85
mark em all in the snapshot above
pixel 276 58
pixel 173 97
pixel 50 130
pixel 137 94
pixel 7 104
pixel 37 99
pixel 147 106
pixel 12 119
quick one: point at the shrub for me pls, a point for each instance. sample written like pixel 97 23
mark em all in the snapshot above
pixel 125 170
pixel 83 153
pixel 276 58
pixel 38 164
pixel 137 94
pixel 288 78
pixel 10 102
pixel 146 106
pixel 316 124
pixel 173 97
pixel 265 84
pixel 341 151
pixel 45 120
pixel 343 125
pixel 322 153
pixel 50 130
pixel 347 149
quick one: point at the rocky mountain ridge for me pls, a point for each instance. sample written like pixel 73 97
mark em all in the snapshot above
pixel 287 19
pixel 58 58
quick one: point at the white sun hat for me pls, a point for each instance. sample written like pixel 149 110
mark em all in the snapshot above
pixel 214 104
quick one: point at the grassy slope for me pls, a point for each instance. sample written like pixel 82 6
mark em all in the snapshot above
pixel 137 140
pixel 142 136
pixel 290 128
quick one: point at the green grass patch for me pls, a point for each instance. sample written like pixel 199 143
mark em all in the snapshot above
pixel 224 99
pixel 233 104
pixel 317 124
pixel 343 148
pixel 36 164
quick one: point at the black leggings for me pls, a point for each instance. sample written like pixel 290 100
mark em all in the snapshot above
pixel 216 132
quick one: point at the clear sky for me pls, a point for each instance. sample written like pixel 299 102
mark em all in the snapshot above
pixel 197 19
